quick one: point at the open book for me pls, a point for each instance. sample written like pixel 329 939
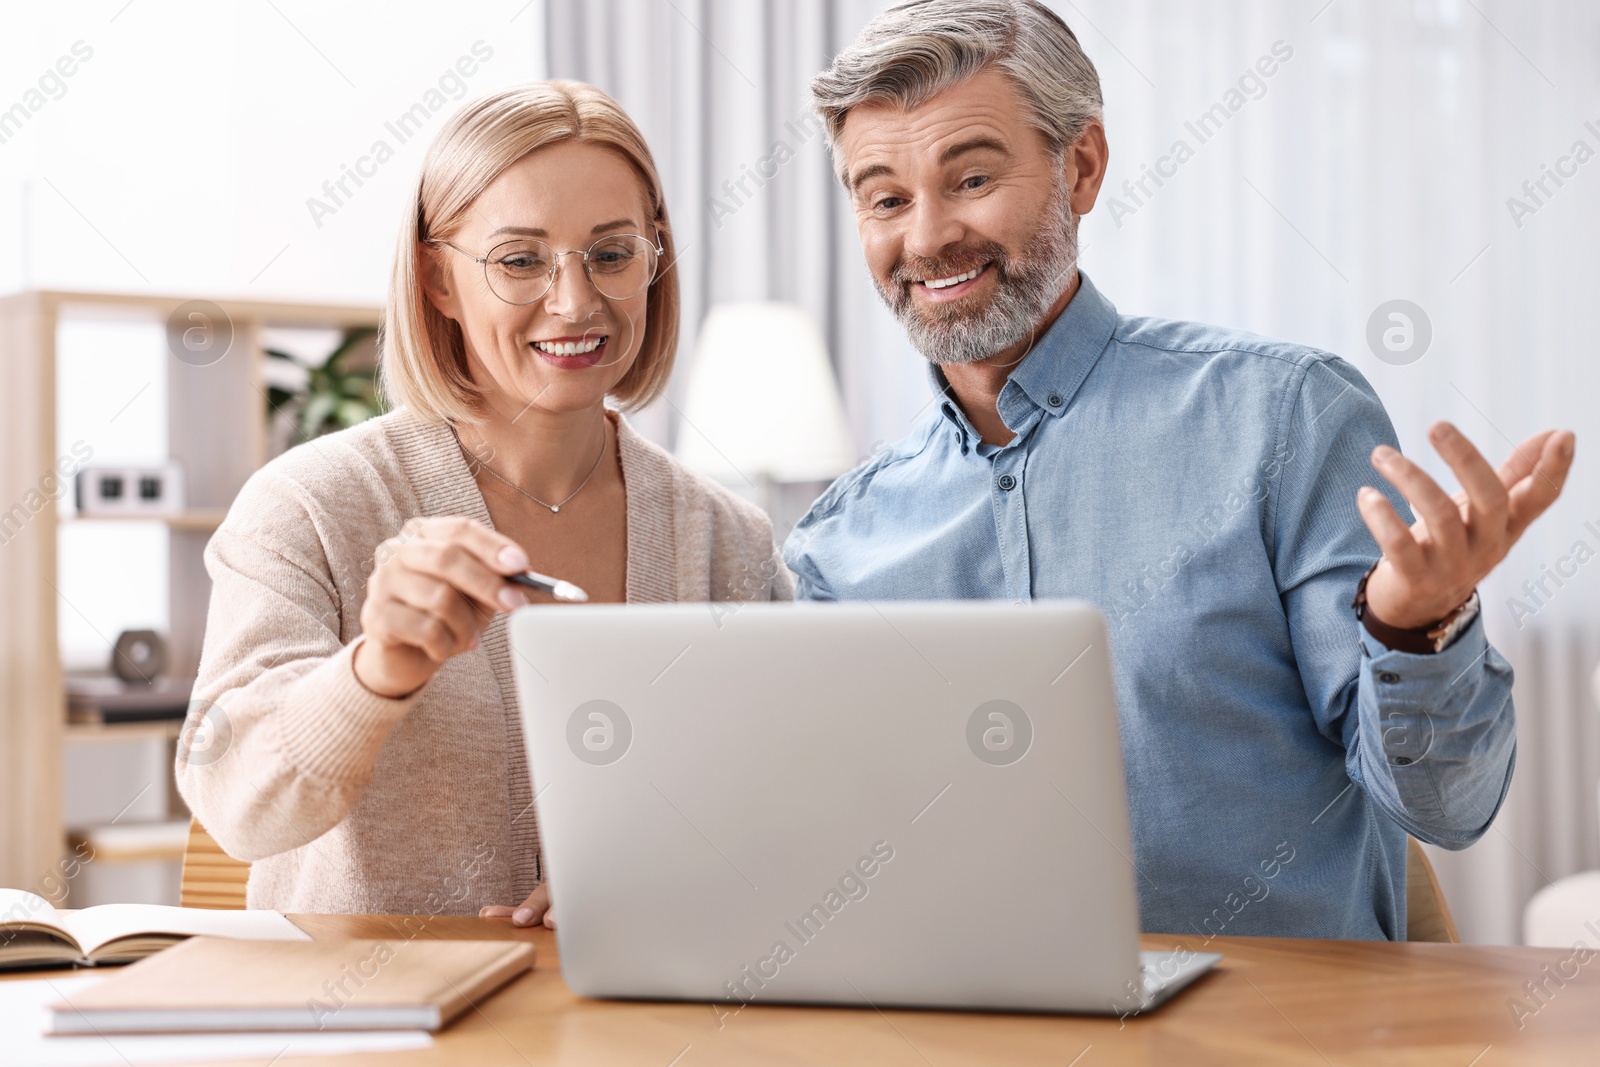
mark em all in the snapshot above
pixel 32 932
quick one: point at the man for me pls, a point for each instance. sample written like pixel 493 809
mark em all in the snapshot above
pixel 1292 704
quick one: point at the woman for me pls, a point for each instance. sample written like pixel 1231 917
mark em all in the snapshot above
pixel 362 743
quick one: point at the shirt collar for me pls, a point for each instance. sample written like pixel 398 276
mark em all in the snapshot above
pixel 1056 367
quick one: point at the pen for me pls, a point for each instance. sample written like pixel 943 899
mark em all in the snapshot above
pixel 554 586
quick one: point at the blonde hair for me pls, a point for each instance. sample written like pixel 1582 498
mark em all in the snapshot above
pixel 423 360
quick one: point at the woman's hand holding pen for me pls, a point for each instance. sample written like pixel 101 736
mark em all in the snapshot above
pixel 434 589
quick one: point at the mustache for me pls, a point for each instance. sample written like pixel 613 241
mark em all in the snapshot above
pixel 910 268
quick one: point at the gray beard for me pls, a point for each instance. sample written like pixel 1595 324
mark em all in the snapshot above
pixel 1028 286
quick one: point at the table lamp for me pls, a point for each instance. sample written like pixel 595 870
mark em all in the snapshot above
pixel 762 404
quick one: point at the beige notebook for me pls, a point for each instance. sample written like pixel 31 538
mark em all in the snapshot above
pixel 34 933
pixel 209 985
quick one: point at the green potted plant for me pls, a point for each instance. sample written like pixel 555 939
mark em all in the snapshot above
pixel 338 393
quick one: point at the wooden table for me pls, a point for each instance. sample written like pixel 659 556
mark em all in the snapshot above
pixel 1271 1001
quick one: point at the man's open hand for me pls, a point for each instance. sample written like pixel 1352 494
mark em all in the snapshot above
pixel 1431 567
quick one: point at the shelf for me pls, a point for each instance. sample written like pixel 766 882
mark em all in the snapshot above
pixel 215 428
pixel 134 842
pixel 164 729
pixel 241 311
pixel 198 519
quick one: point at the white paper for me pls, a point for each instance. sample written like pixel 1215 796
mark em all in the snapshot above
pixel 95 926
pixel 24 1014
pixel 18 905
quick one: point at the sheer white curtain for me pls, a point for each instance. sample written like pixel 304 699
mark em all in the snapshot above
pixel 719 88
pixel 1374 163
pixel 1377 164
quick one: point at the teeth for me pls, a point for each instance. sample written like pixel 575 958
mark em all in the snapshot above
pixel 945 283
pixel 569 348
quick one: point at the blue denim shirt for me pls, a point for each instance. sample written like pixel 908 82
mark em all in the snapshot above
pixel 1199 485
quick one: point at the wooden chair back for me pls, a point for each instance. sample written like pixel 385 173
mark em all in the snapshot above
pixel 211 877
pixel 1427 915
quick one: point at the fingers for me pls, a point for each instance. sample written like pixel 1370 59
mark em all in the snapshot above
pixel 469 556
pixel 1440 513
pixel 531 912
pixel 536 909
pixel 465 572
pixel 1389 530
pixel 1521 462
pixel 438 597
pixel 535 917
pixel 497 552
pixel 1487 499
pixel 437 567
pixel 402 624
pixel 1456 540
pixel 1543 483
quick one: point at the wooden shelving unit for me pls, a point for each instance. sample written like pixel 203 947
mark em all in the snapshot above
pixel 216 430
pixel 203 519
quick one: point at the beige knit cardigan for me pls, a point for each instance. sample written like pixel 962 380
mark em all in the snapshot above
pixel 346 801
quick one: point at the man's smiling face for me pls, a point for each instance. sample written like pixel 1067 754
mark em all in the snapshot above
pixel 965 215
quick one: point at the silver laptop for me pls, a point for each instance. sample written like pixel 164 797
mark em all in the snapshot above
pixel 910 804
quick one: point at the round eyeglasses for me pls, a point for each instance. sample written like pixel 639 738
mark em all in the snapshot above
pixel 521 271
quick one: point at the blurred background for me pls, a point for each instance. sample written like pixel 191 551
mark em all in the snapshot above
pixel 207 180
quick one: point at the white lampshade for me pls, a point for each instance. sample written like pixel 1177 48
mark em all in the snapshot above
pixel 762 400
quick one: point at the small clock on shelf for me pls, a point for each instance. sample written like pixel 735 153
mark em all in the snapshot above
pixel 130 491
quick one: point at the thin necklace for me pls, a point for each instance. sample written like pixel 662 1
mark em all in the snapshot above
pixel 555 509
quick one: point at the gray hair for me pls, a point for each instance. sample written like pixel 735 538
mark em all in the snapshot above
pixel 916 50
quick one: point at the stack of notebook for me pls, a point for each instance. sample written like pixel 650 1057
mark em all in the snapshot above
pixel 209 985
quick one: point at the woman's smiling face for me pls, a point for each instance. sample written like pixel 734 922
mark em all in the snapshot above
pixel 569 348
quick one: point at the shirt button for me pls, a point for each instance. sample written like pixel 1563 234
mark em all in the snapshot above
pixel 1007 483
pixel 1388 677
pixel 1054 400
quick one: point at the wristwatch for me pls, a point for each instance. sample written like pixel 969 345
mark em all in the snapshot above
pixel 1426 639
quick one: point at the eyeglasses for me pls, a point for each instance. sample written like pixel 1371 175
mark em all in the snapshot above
pixel 522 271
